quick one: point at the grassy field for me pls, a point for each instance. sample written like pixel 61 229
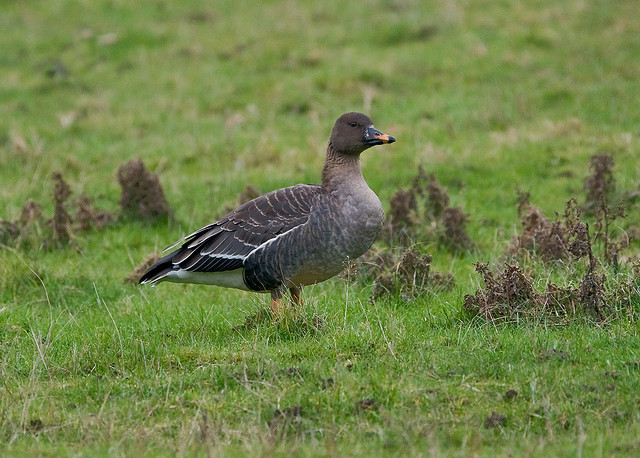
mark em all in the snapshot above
pixel 492 97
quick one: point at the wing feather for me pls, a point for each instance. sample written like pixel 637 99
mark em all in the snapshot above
pixel 225 244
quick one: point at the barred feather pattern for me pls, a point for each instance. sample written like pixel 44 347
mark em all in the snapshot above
pixel 225 244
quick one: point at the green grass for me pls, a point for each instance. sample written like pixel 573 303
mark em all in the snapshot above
pixel 489 96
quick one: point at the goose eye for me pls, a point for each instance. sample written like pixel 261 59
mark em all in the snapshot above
pixel 353 124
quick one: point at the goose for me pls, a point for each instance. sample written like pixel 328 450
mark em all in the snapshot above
pixel 291 237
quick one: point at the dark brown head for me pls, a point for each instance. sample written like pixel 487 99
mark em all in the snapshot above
pixel 354 132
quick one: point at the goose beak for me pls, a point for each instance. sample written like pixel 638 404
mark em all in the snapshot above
pixel 373 136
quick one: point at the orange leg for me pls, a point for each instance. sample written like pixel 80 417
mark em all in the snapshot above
pixel 276 303
pixel 276 307
pixel 296 296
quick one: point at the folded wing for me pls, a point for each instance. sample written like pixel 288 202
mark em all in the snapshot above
pixel 225 244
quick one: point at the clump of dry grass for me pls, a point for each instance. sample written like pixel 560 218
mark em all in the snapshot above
pixel 601 184
pixel 408 276
pixel 422 213
pixel 69 218
pixel 455 234
pixel 509 293
pixel 142 195
pixel 550 240
pixel 61 221
pixel 602 203
pixel 141 268
pixel 87 216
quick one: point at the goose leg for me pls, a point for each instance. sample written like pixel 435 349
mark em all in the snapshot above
pixel 296 296
pixel 276 302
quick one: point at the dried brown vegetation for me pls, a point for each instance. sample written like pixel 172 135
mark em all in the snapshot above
pixel 602 203
pixel 564 239
pixel 69 218
pixel 494 420
pixel 141 268
pixel 550 241
pixel 30 221
pixel 509 294
pixel 409 276
pixel 455 229
pixel 601 184
pixel 86 215
pixel 422 213
pixel 142 195
pixel 61 221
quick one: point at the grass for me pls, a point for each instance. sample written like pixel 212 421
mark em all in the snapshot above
pixel 491 97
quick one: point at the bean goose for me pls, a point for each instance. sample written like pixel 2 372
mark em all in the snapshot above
pixel 291 237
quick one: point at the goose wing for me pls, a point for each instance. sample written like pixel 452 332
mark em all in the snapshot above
pixel 224 244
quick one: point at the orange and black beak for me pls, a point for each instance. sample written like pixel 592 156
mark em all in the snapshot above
pixel 373 136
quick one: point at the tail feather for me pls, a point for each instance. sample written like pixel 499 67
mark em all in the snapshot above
pixel 158 270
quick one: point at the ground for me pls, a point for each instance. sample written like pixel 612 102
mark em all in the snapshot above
pixel 495 99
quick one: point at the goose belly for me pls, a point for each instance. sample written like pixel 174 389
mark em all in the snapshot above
pixel 227 278
pixel 348 236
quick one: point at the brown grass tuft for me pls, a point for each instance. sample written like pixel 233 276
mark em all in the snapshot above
pixel 437 197
pixel 9 231
pixel 31 213
pixel 142 194
pixel 455 231
pixel 61 221
pixel 78 215
pixel 422 213
pixel 510 295
pixel 507 295
pixel 86 216
pixel 551 241
pixel 141 268
pixel 408 276
pixel 601 184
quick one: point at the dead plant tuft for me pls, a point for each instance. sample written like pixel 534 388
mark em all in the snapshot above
pixel 142 194
pixel 423 212
pixel 551 241
pixel 580 245
pixel 68 216
pixel 508 295
pixel 413 269
pixel 30 217
pixel 8 231
pixel 409 276
pixel 601 203
pixel 403 209
pixel 87 216
pixel 592 292
pixel 369 266
pixel 141 268
pixel 601 184
pixel 61 221
pixel 31 213
pixel 592 295
pixel 455 231
pixel 437 196
pixel 605 216
pixel 495 420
